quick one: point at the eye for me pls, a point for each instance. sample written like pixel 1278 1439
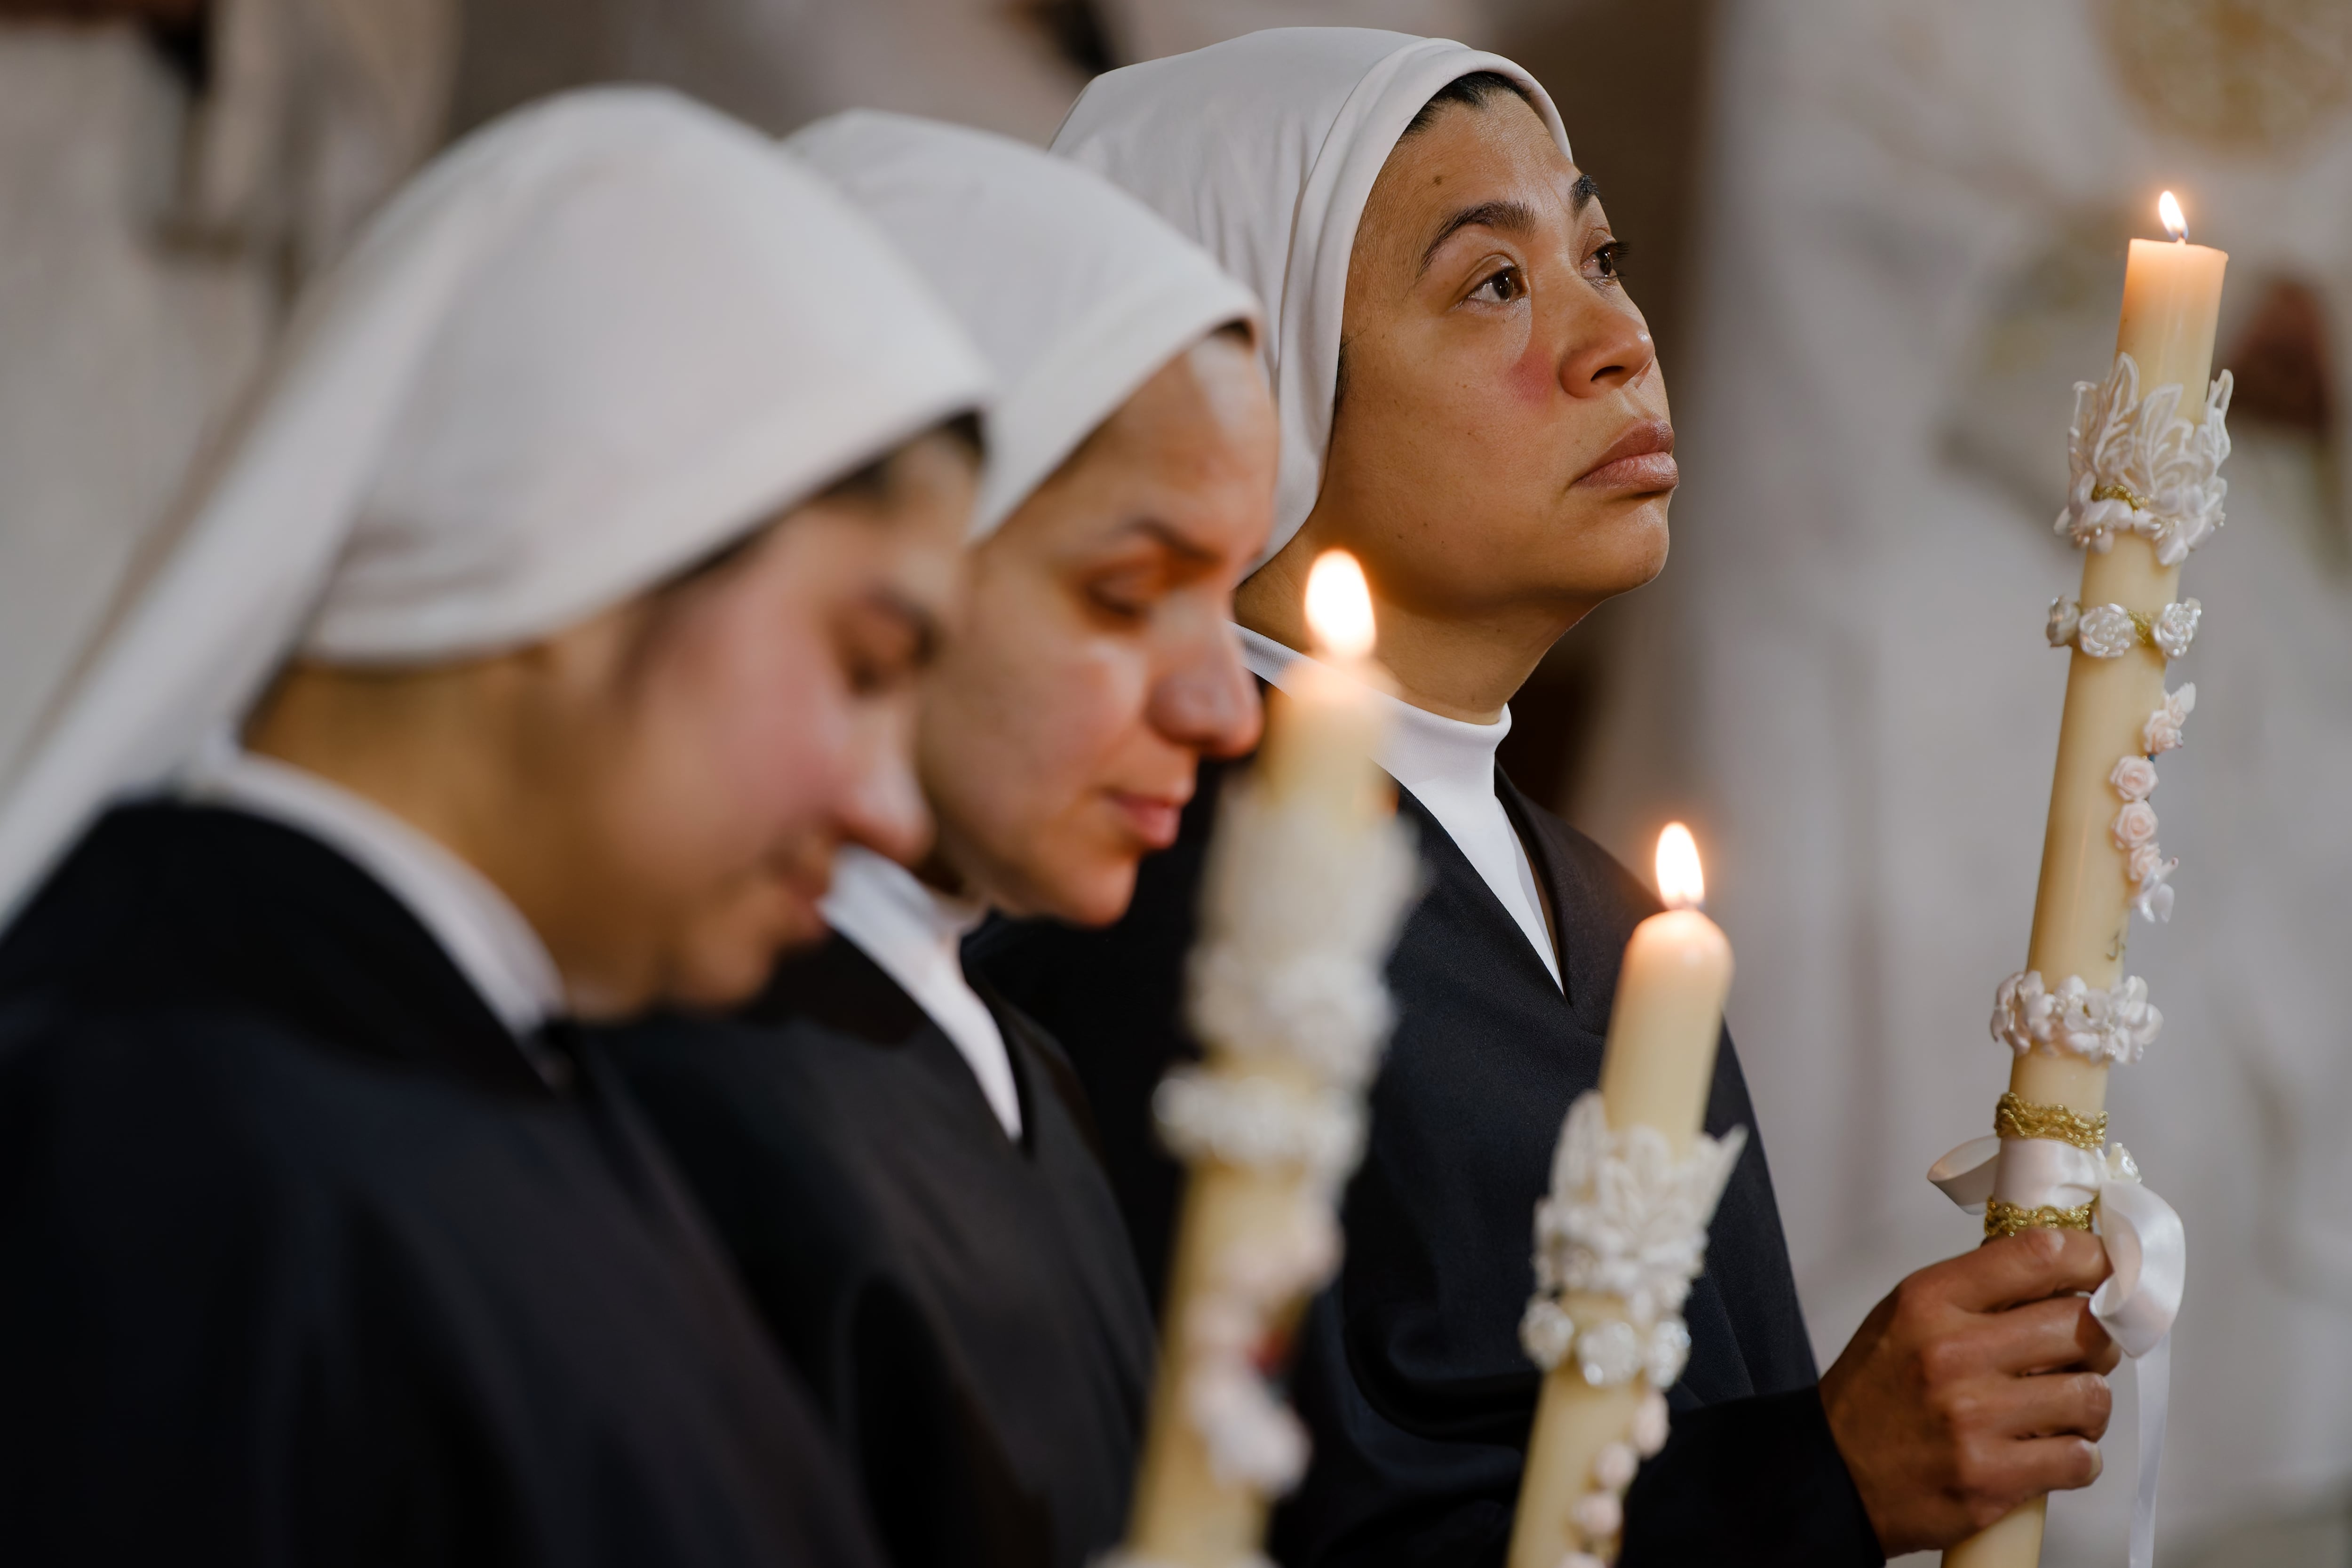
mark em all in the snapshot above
pixel 880 649
pixel 1608 263
pixel 1122 595
pixel 1501 287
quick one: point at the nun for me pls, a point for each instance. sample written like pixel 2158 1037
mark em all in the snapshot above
pixel 1470 401
pixel 547 627
pixel 903 1165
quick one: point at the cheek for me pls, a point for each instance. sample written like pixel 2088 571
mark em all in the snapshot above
pixel 1023 728
pixel 1528 383
pixel 753 721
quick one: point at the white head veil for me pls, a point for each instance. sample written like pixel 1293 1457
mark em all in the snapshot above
pixel 586 348
pixel 1264 150
pixel 1076 292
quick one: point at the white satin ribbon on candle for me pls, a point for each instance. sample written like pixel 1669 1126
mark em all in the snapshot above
pixel 2146 1248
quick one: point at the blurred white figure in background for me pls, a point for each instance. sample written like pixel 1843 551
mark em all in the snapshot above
pixel 153 220
pixel 1912 247
pixel 1148 29
pixel 779 64
pixel 1010 68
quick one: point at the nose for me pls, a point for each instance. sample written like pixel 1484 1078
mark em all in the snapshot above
pixel 1608 346
pixel 881 802
pixel 1208 703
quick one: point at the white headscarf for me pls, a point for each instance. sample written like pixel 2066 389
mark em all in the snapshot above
pixel 1264 150
pixel 1076 292
pixel 586 348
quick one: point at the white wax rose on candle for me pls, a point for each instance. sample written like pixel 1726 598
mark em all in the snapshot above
pixel 1668 1012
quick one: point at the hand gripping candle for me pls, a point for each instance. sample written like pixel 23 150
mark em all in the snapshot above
pixel 2144 449
pixel 1623 1231
pixel 1308 884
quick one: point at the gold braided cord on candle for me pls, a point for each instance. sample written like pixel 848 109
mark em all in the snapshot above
pixel 2016 1117
pixel 2123 493
pixel 2007 1219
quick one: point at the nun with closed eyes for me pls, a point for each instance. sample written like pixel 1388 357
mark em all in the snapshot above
pixel 525 658
pixel 904 1165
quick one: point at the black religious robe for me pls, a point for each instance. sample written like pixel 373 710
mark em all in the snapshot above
pixel 301 1262
pixel 1407 1369
pixel 967 1308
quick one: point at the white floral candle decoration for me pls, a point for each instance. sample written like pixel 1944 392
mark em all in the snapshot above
pixel 1309 880
pixel 1623 1232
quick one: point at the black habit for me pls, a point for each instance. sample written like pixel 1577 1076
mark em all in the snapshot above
pixel 1409 1372
pixel 301 1262
pixel 967 1308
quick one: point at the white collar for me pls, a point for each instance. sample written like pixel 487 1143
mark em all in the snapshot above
pixel 476 924
pixel 1449 766
pixel 915 934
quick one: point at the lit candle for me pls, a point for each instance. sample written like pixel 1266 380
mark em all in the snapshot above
pixel 2081 911
pixel 1309 873
pixel 1668 1014
pixel 2082 905
pixel 2172 299
pixel 1656 1073
pixel 1323 725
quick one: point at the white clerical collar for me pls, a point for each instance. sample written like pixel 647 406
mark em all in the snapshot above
pixel 1449 766
pixel 475 923
pixel 915 934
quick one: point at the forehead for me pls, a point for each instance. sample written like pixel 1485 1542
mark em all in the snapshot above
pixel 1500 151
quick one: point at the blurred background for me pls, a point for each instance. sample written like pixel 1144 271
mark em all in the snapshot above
pixel 1877 240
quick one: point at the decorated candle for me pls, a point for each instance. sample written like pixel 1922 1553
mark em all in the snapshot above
pixel 1623 1231
pixel 2144 448
pixel 1307 882
pixel 2081 911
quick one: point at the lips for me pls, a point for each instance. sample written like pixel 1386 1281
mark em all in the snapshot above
pixel 1154 819
pixel 1640 460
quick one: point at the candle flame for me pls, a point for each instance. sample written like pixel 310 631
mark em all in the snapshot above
pixel 2168 207
pixel 1680 882
pixel 1340 606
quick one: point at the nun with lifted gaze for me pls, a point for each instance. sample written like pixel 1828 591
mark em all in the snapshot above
pixel 1471 403
pixel 547 628
pixel 903 1165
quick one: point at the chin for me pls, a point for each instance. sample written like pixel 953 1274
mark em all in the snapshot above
pixel 1094 894
pixel 713 982
pixel 1621 553
pixel 724 966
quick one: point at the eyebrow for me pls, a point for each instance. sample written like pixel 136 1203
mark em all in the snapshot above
pixel 1170 538
pixel 1510 218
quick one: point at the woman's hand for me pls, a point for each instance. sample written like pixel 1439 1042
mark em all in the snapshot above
pixel 1977 1384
